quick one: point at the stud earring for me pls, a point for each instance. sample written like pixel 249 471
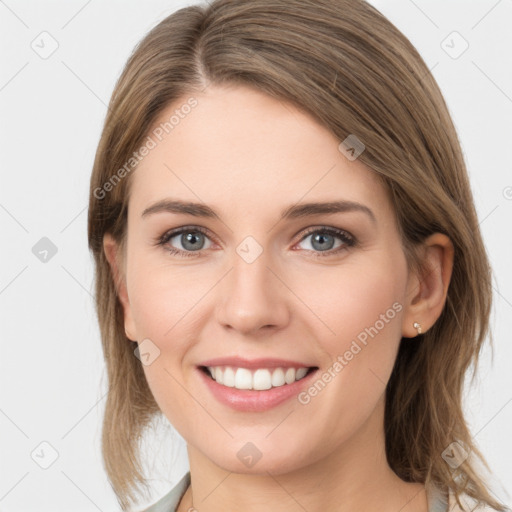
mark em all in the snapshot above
pixel 417 326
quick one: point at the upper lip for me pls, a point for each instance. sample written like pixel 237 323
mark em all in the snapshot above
pixel 263 362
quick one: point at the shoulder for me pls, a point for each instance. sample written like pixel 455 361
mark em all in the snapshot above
pixel 468 504
pixel 169 502
pixel 445 501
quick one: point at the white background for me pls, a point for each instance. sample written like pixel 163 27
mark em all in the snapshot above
pixel 52 110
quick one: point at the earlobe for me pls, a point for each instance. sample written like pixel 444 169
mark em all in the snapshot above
pixel 427 293
pixel 112 253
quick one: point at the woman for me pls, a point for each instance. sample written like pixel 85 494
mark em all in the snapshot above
pixel 289 265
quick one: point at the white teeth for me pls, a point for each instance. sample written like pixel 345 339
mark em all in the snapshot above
pixel 243 378
pixel 260 379
pixel 278 377
pixel 289 376
pixel 301 372
pixel 228 379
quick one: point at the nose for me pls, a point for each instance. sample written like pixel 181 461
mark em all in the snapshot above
pixel 253 297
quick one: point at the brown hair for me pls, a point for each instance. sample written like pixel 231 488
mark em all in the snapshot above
pixel 345 64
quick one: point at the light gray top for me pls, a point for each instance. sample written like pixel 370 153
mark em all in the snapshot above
pixel 169 502
pixel 437 501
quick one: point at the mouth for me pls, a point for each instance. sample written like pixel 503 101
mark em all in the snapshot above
pixel 248 384
pixel 258 389
pixel 258 379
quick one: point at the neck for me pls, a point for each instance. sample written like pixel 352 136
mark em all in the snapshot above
pixel 352 476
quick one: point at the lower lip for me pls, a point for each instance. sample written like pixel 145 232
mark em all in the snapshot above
pixel 250 400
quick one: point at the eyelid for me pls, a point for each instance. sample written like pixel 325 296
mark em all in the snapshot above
pixel 327 229
pixel 348 239
pixel 163 240
pixel 177 231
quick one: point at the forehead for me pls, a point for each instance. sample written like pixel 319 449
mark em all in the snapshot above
pixel 239 146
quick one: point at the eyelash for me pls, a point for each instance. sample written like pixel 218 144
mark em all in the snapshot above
pixel 347 239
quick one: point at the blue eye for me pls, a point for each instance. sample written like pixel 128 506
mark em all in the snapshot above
pixel 192 241
pixel 190 238
pixel 324 239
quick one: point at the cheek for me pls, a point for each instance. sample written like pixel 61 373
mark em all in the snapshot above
pixel 161 297
pixel 168 305
pixel 364 315
pixel 163 312
pixel 357 302
pixel 358 317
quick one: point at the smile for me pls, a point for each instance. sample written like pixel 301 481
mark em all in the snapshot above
pixel 257 389
pixel 258 379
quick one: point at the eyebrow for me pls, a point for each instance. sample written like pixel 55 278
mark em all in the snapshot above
pixel 292 212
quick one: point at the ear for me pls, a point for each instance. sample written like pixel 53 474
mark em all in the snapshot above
pixel 115 259
pixel 426 293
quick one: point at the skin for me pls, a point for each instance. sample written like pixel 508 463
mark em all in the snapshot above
pixel 249 156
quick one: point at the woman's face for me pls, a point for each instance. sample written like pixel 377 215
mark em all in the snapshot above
pixel 264 278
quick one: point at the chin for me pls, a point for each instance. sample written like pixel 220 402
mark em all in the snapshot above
pixel 258 458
